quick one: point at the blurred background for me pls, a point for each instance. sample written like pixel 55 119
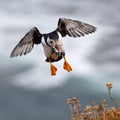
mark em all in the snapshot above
pixel 27 90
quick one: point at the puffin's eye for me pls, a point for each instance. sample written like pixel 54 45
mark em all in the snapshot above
pixel 51 41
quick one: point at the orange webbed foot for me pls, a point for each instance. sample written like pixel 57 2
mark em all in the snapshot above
pixel 53 69
pixel 66 65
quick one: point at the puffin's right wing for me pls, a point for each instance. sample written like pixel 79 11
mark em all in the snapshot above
pixel 74 28
pixel 27 42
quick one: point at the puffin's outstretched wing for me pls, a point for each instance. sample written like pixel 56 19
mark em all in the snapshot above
pixel 27 42
pixel 74 28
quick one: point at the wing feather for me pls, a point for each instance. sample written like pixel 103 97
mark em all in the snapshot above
pixel 74 28
pixel 27 42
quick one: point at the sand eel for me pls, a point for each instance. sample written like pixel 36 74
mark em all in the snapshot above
pixel 52 42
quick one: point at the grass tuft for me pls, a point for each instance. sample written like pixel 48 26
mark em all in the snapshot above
pixel 94 111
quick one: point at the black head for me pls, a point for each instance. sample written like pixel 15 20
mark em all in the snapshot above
pixel 51 38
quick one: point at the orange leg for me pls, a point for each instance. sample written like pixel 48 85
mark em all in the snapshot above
pixel 66 65
pixel 53 69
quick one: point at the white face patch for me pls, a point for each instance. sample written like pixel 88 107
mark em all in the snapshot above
pixel 51 42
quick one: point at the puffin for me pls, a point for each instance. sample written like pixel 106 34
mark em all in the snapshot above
pixel 52 42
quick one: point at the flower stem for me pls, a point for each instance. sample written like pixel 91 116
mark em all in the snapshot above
pixel 112 98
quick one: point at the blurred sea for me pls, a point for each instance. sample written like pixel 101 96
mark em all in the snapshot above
pixel 27 90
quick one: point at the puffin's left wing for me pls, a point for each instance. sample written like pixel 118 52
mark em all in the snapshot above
pixel 74 28
pixel 27 42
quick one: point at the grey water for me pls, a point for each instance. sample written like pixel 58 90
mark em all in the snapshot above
pixel 27 90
